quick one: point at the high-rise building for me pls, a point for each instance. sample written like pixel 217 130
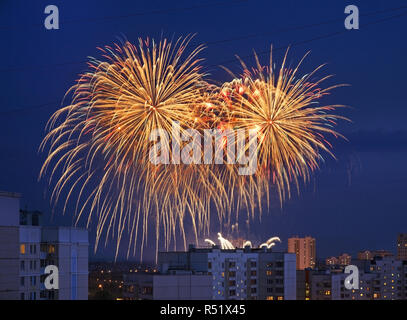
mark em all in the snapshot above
pixel 305 251
pixel 66 248
pixel 238 274
pixel 26 248
pixel 402 246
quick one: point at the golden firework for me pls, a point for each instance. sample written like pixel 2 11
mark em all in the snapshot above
pixel 100 145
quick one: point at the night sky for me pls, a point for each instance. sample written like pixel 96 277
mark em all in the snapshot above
pixel 356 202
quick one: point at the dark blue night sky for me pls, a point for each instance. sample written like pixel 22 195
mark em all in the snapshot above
pixel 356 202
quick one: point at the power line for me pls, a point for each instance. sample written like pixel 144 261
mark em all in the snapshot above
pixel 217 42
pixel 138 14
pixel 325 36
pixel 282 30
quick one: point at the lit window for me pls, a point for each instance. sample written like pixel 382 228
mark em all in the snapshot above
pixel 22 248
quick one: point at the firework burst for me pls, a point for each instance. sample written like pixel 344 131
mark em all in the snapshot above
pixel 99 145
pixel 291 125
pixel 104 136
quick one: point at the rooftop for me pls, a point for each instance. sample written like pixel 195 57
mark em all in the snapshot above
pixel 10 194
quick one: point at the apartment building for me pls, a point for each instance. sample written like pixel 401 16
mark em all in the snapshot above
pixel 366 291
pixel 26 248
pixel 342 260
pixel 382 278
pixel 388 284
pixel 238 274
pixel 305 251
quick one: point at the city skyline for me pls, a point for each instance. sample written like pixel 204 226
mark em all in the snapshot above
pixel 223 271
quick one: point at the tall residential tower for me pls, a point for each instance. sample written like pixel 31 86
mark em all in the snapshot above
pixel 305 251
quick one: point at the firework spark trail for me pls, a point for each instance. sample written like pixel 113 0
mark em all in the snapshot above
pixel 103 138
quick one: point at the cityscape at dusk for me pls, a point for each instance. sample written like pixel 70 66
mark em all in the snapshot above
pixel 206 150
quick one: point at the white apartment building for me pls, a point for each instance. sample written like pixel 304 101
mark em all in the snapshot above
pixel 30 269
pixel 27 248
pixel 234 274
pixel 238 274
pixel 66 248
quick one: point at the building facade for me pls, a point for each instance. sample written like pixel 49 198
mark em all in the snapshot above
pixel 365 291
pixel 238 274
pixel 26 248
pixel 305 251
pixel 9 246
pixel 382 278
pixel 66 248
pixel 172 286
